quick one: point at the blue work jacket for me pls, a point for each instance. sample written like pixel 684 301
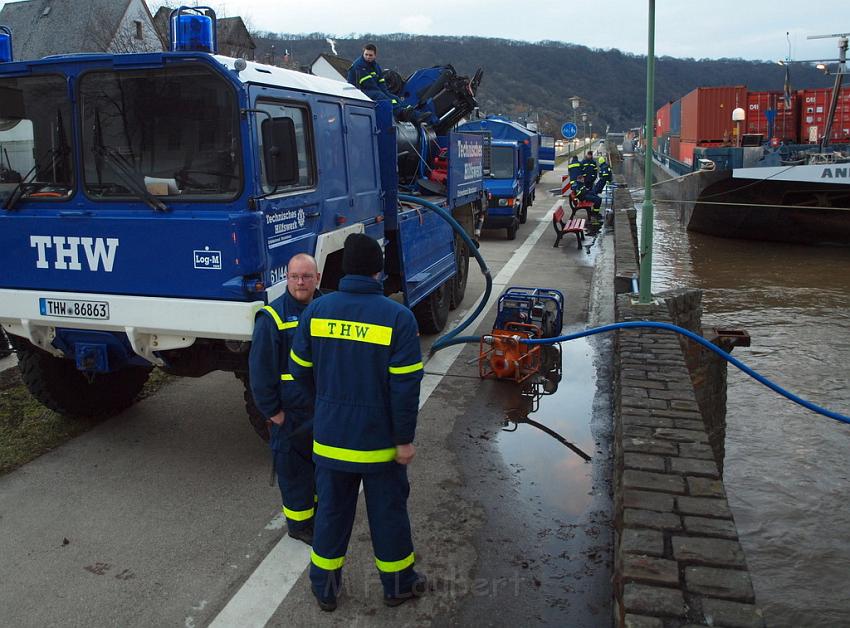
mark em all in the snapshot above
pixel 604 169
pixel 272 384
pixel 368 77
pixel 362 351
pixel 575 170
pixel 589 167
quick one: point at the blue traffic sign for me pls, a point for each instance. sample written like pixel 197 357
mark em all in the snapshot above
pixel 569 130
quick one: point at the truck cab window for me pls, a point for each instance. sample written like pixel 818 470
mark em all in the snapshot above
pixel 170 132
pixel 503 161
pixel 291 150
pixel 36 159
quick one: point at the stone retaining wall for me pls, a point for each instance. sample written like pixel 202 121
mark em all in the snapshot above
pixel 678 561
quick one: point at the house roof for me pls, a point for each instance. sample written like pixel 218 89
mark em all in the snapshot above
pixel 340 64
pixel 48 27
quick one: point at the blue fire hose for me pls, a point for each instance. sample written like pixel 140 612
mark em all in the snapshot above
pixel 452 338
pixel 446 340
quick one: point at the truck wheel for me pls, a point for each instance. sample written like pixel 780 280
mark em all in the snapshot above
pixel 255 417
pixel 432 312
pixel 523 213
pixel 57 384
pixel 458 282
pixel 512 230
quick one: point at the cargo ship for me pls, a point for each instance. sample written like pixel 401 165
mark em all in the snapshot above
pixel 765 172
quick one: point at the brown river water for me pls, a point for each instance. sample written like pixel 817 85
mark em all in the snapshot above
pixel 787 469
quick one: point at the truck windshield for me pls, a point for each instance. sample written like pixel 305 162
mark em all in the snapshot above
pixel 171 132
pixel 36 160
pixel 502 162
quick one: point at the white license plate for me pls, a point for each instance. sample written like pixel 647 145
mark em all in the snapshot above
pixel 71 308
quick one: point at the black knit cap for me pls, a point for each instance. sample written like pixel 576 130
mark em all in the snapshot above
pixel 362 255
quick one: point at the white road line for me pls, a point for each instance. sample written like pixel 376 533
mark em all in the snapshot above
pixel 258 598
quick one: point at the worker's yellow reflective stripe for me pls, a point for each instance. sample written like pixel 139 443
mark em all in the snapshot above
pixel 575 165
pixel 382 80
pixel 392 566
pixel 280 324
pixel 367 77
pixel 273 314
pixel 328 564
pixel 351 330
pixel 299 515
pixel 354 455
pixel 401 370
pixel 286 377
pixel 298 360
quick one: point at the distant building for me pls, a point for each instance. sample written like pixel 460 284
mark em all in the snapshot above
pixel 330 66
pixel 51 27
pixel 233 37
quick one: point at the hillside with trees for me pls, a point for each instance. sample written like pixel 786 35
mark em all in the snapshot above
pixel 520 77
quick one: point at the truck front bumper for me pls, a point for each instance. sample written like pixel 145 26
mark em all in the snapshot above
pixel 151 323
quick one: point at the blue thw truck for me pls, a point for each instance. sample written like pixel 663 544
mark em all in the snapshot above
pixel 504 185
pixel 500 128
pixel 149 204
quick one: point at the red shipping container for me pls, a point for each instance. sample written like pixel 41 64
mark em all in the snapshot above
pixel 662 120
pixel 675 142
pixel 707 113
pixel 686 151
pixel 786 123
pixel 814 109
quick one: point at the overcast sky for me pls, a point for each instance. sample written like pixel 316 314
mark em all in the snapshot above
pixel 749 29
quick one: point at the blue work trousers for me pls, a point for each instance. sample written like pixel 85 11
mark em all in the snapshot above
pixel 293 464
pixel 600 185
pixel 386 493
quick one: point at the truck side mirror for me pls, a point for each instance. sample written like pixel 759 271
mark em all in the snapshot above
pixel 529 164
pixel 280 152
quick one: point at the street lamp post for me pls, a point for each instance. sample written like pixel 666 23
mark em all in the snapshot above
pixel 575 101
pixel 648 214
pixel 584 127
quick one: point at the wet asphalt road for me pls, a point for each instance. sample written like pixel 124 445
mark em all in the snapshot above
pixel 159 516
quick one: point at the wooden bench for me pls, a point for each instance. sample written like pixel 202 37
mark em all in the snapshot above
pixel 576 205
pixel 572 225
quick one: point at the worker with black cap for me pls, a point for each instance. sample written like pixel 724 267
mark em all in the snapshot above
pixel 359 351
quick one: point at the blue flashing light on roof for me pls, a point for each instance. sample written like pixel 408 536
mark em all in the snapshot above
pixel 5 44
pixel 192 29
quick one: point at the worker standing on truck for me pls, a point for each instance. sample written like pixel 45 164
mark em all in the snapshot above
pixel 366 75
pixel 285 404
pixel 360 350
pixel 605 175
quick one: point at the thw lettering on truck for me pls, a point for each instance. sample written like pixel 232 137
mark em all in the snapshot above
pixel 65 252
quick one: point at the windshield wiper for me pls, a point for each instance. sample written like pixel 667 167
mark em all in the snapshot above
pixel 18 191
pixel 128 176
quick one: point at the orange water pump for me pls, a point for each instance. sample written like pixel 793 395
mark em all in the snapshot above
pixel 523 314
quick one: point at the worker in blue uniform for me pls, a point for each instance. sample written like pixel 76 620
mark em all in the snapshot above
pixel 286 405
pixel 360 351
pixel 582 191
pixel 605 175
pixel 589 169
pixel 366 75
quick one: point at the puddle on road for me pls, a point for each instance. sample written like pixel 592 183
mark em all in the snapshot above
pixel 548 472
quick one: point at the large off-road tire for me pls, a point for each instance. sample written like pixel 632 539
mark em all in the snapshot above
pixel 255 417
pixel 511 231
pixel 432 312
pixel 458 282
pixel 57 384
